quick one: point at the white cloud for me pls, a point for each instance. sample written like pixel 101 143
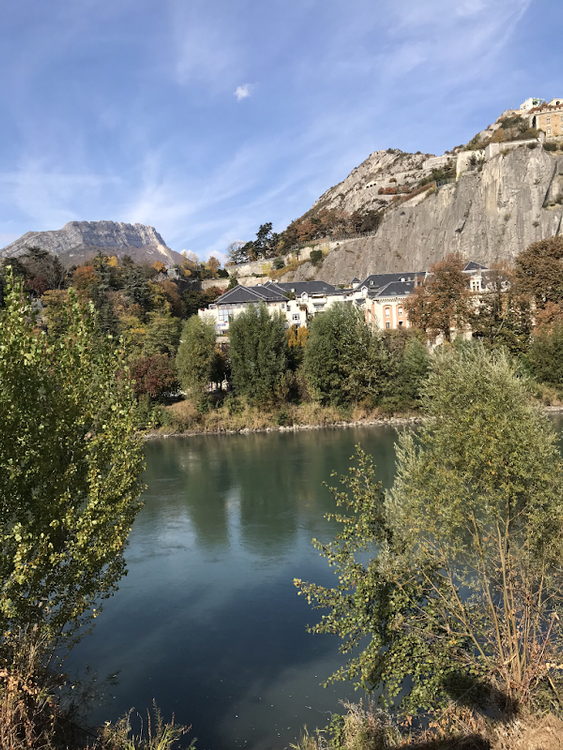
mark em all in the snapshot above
pixel 243 92
pixel 49 198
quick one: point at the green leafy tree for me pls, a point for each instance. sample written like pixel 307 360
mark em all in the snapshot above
pixel 162 334
pixel 409 362
pixel 546 355
pixel 258 353
pixel 461 602
pixel 70 462
pixel 197 357
pixel 345 360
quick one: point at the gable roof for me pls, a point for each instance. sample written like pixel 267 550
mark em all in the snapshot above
pixel 245 294
pixel 474 266
pixel 298 287
pixel 396 288
pixel 379 280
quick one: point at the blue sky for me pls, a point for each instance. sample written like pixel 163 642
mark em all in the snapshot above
pixel 207 118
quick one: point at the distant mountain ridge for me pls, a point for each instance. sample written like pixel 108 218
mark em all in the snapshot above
pixel 79 241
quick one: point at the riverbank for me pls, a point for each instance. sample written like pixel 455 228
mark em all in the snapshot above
pixel 183 419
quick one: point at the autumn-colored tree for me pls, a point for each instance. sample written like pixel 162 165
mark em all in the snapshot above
pixel 212 266
pixel 165 297
pixel 154 375
pixel 159 266
pixel 297 337
pixel 84 278
pixel 502 315
pixel 443 302
pixel 539 271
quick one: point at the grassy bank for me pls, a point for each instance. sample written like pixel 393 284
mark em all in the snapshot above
pixel 234 415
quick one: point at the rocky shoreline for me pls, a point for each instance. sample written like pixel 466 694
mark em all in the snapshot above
pixel 382 421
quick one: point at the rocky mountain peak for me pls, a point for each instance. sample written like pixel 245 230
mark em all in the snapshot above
pixel 78 241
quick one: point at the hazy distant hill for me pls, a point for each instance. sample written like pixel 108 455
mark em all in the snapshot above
pixel 78 241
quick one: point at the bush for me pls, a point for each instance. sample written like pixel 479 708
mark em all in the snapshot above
pixel 550 146
pixel 460 603
pixel 316 257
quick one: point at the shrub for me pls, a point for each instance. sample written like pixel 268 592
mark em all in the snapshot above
pixel 316 257
pixel 550 146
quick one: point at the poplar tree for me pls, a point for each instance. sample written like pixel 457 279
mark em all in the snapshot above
pixel 258 353
pixel 197 357
pixel 345 360
pixel 70 462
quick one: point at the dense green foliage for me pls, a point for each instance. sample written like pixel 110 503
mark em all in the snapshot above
pixel 545 356
pixel 348 361
pixel 460 604
pixel 197 357
pixel 258 352
pixel 344 359
pixel 69 472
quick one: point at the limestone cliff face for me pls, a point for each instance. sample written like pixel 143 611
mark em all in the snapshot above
pixel 486 215
pixel 382 169
pixel 78 241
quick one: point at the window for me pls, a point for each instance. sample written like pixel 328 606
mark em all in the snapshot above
pixel 400 322
pixel 295 316
pixel 548 120
pixel 400 310
pixel 387 312
pixel 549 131
pixel 387 325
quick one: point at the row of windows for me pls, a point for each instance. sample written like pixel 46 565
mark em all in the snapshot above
pixel 388 311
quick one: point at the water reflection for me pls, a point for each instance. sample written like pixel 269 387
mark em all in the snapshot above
pixel 208 622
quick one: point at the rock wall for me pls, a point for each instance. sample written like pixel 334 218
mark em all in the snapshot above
pixel 486 216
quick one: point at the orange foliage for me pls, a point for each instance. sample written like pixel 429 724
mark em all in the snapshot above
pixel 84 278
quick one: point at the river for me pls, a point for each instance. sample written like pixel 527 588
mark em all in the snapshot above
pixel 207 622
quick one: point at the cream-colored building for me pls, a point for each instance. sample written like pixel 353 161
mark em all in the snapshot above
pixel 381 297
pixel 549 118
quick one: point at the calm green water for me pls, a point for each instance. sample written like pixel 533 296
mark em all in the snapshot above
pixel 208 622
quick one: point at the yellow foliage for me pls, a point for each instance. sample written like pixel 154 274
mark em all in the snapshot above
pixel 113 262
